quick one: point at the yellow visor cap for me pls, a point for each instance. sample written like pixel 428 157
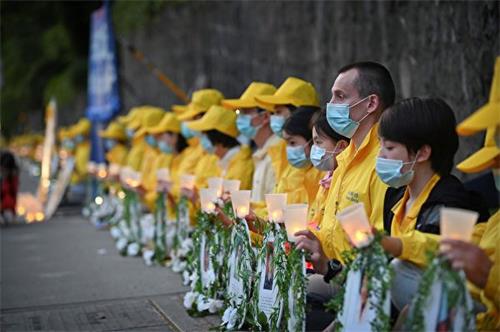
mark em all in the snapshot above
pixel 485 157
pixel 114 130
pixel 217 118
pixel 179 109
pixel 169 122
pixel 293 91
pixel 489 114
pixel 247 99
pixel 201 102
pixel 131 115
pixel 150 120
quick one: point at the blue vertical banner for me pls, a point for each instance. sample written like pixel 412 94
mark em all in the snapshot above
pixel 103 98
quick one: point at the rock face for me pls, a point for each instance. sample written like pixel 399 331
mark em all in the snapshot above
pixel 444 49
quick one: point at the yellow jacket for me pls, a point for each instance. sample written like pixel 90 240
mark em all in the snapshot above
pixel 317 209
pixel 117 155
pixel 415 244
pixel 354 181
pixel 490 295
pixel 185 163
pixel 300 184
pixel 207 167
pixel 239 166
pixel 134 157
pixel 279 160
pixel 162 160
pixel 82 155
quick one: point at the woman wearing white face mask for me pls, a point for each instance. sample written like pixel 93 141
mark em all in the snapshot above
pixel 327 145
pixel 417 145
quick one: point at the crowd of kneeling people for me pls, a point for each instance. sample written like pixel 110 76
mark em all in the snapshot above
pixel 396 157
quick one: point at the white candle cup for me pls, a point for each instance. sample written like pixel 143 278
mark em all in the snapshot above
pixel 295 219
pixel 241 202
pixel 91 167
pixel 207 198
pixel 114 169
pixel 163 174
pixel 457 224
pixel 229 186
pixel 134 179
pixel 187 181
pixel 124 173
pixel 276 204
pixel 102 171
pixel 215 183
pixel 355 223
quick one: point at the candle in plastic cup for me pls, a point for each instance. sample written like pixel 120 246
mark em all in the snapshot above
pixel 457 224
pixel 276 204
pixel 230 185
pixel 215 183
pixel 124 173
pixel 134 179
pixel 241 202
pixel 207 199
pixel 91 167
pixel 163 174
pixel 187 181
pixel 295 219
pixel 355 223
pixel 114 169
pixel 101 171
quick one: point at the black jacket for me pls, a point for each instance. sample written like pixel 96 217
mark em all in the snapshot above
pixel 449 192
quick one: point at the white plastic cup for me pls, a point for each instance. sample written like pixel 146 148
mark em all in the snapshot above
pixel 231 185
pixel 241 202
pixel 355 223
pixel 134 179
pixel 457 224
pixel 114 169
pixel 276 204
pixel 163 174
pixel 295 219
pixel 207 198
pixel 187 181
pixel 215 183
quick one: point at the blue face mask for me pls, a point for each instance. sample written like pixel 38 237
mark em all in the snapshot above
pixel 338 118
pixel 130 133
pixel 207 144
pixel 150 139
pixel 244 124
pixel 165 148
pixel 277 122
pixel 78 139
pixel 296 156
pixel 68 144
pixel 109 144
pixel 187 132
pixel 319 160
pixel 389 171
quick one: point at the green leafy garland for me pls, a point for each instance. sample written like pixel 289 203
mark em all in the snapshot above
pixel 298 280
pixel 372 259
pixel 181 233
pixel 160 250
pixel 454 284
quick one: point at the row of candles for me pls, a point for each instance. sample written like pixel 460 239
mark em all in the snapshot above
pixel 455 223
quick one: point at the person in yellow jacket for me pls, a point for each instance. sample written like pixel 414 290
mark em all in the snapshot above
pixel 78 134
pixel 219 133
pixel 328 144
pixel 205 163
pixel 114 143
pixel 253 122
pixel 480 260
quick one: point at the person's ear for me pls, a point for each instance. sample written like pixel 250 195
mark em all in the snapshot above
pixel 265 118
pixel 424 153
pixel 373 103
pixel 341 145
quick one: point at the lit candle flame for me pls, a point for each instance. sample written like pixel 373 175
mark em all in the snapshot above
pixel 242 211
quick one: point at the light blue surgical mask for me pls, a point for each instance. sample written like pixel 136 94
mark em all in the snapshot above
pixel 389 171
pixel 109 144
pixel 296 156
pixel 244 124
pixel 165 148
pixel 338 118
pixel 496 175
pixel 78 139
pixel 207 144
pixel 68 144
pixel 277 122
pixel 187 132
pixel 150 139
pixel 322 159
pixel 130 133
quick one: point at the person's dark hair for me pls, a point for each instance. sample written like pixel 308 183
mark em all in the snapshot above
pixel 416 122
pixel 373 78
pixel 181 143
pixel 301 120
pixel 324 129
pixel 217 137
pixel 8 164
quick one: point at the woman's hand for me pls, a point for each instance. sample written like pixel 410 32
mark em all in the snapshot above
pixel 309 242
pixel 226 221
pixel 190 194
pixel 469 257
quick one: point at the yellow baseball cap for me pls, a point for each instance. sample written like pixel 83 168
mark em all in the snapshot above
pixel 218 118
pixel 152 117
pixel 142 113
pixel 485 157
pixel 489 114
pixel 169 122
pixel 179 109
pixel 131 115
pixel 114 130
pixel 247 99
pixel 293 91
pixel 82 127
pixel 201 102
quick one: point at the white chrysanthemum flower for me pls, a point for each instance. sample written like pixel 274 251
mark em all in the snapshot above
pixel 230 317
pixel 189 299
pixel 186 278
pixel 147 255
pixel 115 232
pixel 202 303
pixel 133 249
pixel 121 244
pixel 215 306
